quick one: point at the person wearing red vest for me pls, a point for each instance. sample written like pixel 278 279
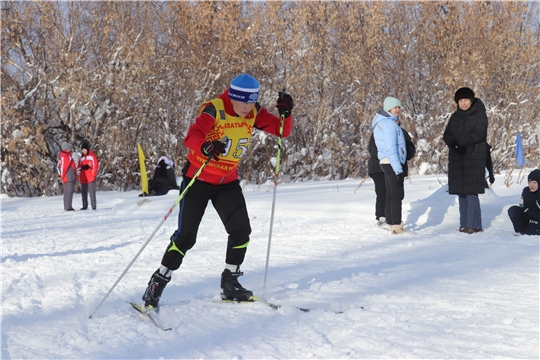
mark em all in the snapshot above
pixel 233 116
pixel 88 166
pixel 67 171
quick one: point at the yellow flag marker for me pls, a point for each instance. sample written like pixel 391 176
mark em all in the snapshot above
pixel 142 165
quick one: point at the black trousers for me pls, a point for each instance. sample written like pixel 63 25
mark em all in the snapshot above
pixel 394 194
pixel 229 202
pixel 521 223
pixel 380 193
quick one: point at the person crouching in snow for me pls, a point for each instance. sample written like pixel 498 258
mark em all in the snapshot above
pixel 526 217
pixel 67 171
pixel 164 178
pixel 234 114
pixel 89 166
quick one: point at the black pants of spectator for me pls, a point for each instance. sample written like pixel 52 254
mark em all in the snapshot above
pixel 229 202
pixel 380 193
pixel 86 189
pixel 394 194
pixel 521 223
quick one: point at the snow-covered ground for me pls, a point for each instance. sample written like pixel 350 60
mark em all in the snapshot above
pixel 430 293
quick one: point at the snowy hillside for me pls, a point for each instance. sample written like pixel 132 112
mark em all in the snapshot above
pixel 430 293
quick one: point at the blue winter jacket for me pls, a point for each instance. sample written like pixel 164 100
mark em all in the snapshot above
pixel 389 140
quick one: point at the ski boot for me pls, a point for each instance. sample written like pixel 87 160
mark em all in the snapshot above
pixel 231 288
pixel 160 278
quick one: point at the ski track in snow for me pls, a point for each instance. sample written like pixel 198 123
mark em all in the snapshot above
pixel 429 293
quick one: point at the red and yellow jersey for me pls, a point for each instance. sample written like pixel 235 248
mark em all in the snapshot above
pixel 216 120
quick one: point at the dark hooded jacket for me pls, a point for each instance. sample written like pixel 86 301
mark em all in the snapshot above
pixel 465 136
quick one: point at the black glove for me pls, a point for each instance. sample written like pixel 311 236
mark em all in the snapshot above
pixel 213 148
pixel 85 167
pixel 462 150
pixel 491 178
pixel 285 104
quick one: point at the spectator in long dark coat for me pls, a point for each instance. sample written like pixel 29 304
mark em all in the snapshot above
pixel 465 136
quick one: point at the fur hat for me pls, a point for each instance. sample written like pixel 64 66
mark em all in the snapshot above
pixel 244 88
pixel 66 146
pixel 85 145
pixel 534 175
pixel 464 93
pixel 390 103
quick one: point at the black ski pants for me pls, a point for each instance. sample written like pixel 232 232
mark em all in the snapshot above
pixel 380 193
pixel 394 194
pixel 229 202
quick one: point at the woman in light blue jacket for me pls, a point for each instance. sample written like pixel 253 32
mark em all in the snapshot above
pixel 392 154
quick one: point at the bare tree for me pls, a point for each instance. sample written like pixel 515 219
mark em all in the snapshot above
pixel 118 73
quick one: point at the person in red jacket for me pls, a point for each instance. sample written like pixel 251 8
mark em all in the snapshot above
pixel 67 171
pixel 88 166
pixel 231 117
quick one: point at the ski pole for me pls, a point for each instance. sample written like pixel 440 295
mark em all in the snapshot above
pixel 180 197
pixel 276 174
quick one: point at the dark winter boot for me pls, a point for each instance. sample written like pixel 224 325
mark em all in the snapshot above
pixel 155 287
pixel 231 288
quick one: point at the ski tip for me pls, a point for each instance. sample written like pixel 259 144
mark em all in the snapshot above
pixel 274 306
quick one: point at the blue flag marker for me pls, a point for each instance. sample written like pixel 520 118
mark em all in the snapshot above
pixel 519 151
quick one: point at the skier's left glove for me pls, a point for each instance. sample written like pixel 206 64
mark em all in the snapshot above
pixel 491 178
pixel 213 148
pixel 85 167
pixel 285 104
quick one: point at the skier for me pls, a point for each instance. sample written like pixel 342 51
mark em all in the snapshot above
pixel 67 172
pixel 465 135
pixel 88 166
pixel 234 114
pixel 526 217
